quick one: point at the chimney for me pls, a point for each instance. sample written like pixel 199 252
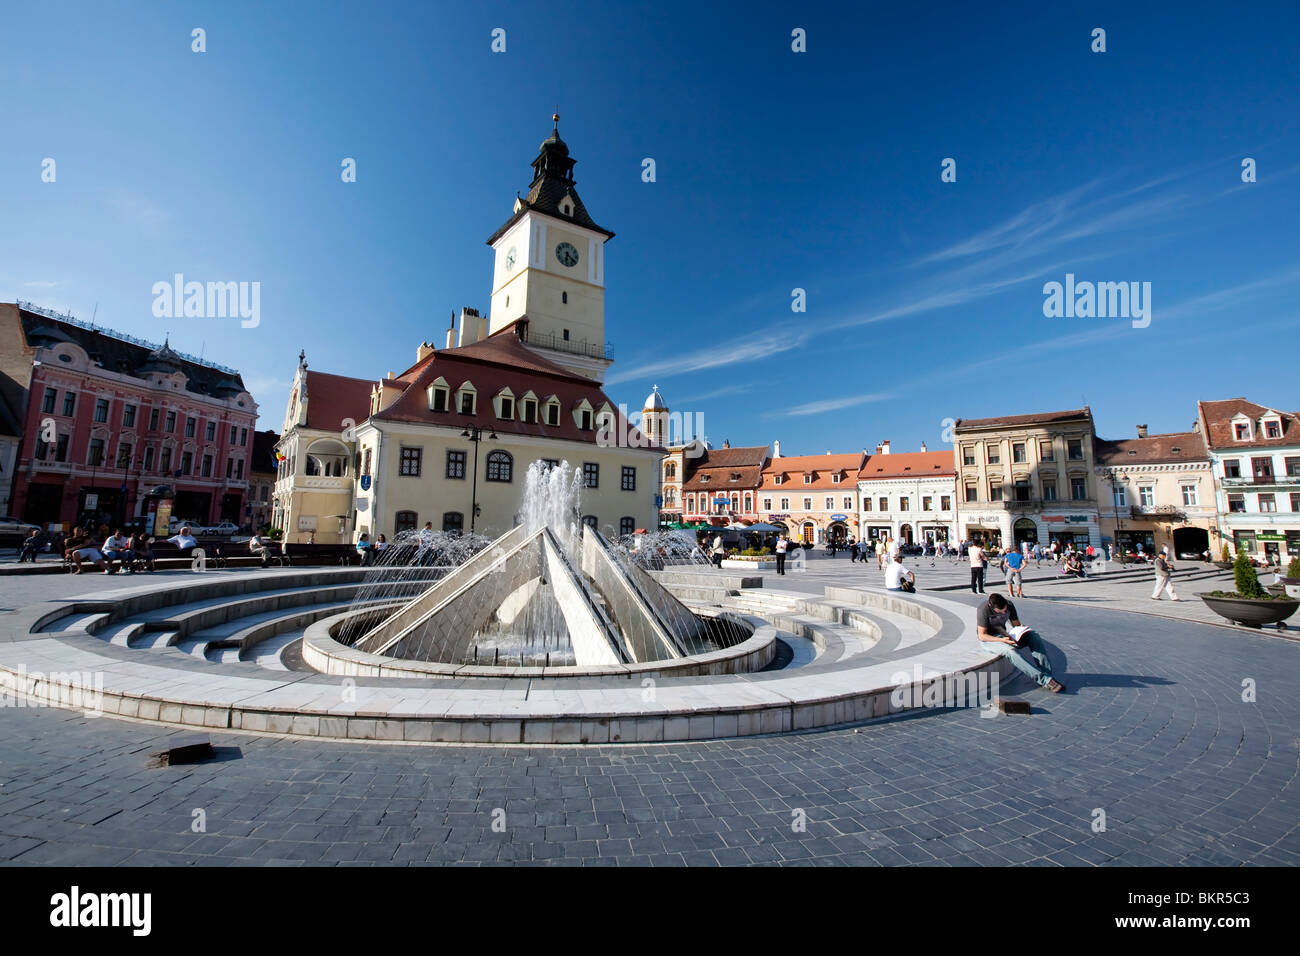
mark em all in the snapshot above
pixel 776 448
pixel 392 375
pixel 726 443
pixel 922 446
pixel 1142 431
pixel 883 447
pixel 423 351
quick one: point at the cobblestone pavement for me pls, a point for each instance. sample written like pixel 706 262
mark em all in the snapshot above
pixel 1153 732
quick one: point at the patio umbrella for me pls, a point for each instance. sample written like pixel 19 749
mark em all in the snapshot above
pixel 762 526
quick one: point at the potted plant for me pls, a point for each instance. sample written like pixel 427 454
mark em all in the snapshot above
pixel 1225 562
pixel 1291 580
pixel 1250 604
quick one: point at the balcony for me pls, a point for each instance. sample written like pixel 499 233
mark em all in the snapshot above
pixel 1161 512
pixel 543 340
pixel 1022 504
pixel 1277 481
pixel 322 483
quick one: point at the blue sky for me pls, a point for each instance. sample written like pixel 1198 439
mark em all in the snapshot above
pixel 775 170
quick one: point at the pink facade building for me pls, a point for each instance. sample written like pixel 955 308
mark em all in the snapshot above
pixel 113 424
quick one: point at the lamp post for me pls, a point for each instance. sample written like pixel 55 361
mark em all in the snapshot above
pixel 1116 476
pixel 475 434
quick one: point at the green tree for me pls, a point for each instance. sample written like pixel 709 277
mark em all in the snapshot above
pixel 1243 572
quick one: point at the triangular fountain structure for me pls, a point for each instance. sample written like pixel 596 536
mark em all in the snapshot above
pixel 609 612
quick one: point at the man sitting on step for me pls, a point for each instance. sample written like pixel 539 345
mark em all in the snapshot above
pixel 992 618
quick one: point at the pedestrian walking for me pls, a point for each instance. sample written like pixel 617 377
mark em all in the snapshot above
pixel 976 568
pixel 782 545
pixel 1163 572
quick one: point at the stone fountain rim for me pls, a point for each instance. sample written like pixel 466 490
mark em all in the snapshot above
pixel 328 656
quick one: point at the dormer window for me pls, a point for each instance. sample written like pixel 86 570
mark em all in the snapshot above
pixel 439 396
pixel 704 479
pixel 735 476
pixel 777 479
pixel 1272 428
pixel 552 411
pixel 835 479
pixel 1241 431
pixel 528 410
pixel 807 479
pixel 566 205
pixel 467 399
pixel 582 415
pixel 505 407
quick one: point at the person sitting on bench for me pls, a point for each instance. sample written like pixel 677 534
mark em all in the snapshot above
pixel 117 547
pixel 992 618
pixel 141 547
pixel 80 547
pixel 184 541
pixel 262 546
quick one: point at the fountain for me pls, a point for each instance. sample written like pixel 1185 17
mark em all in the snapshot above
pixel 548 592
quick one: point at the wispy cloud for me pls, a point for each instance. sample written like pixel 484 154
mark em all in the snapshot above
pixel 751 349
pixel 835 404
pixel 717 393
pixel 40 284
pixel 1235 296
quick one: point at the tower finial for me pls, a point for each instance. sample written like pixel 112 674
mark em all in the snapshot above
pixel 555 117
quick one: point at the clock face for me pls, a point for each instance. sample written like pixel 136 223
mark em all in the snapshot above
pixel 510 259
pixel 567 254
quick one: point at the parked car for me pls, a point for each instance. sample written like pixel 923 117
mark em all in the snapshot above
pixel 10 525
pixel 225 529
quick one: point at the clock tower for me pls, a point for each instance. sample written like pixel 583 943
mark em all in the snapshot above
pixel 550 267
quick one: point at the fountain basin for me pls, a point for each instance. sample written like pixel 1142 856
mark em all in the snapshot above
pixel 323 652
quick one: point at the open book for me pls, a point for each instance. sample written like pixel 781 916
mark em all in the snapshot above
pixel 1018 633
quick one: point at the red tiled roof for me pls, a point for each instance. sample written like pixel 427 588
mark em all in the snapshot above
pixel 720 463
pixel 332 398
pixel 501 361
pixel 911 464
pixel 720 457
pixel 750 476
pixel 823 467
pixel 1040 418
pixel 1216 419
pixel 1150 450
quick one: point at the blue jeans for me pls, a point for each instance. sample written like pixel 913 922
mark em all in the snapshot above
pixel 1040 668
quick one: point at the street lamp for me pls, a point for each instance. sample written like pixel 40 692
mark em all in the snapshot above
pixel 475 434
pixel 1116 476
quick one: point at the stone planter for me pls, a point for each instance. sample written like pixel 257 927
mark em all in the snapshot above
pixel 1292 586
pixel 1251 612
pixel 741 564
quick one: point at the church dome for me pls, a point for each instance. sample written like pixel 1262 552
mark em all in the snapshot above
pixel 654 402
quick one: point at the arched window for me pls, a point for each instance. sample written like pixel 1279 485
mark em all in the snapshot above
pixel 404 521
pixel 670 471
pixel 626 526
pixel 500 466
pixel 453 522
